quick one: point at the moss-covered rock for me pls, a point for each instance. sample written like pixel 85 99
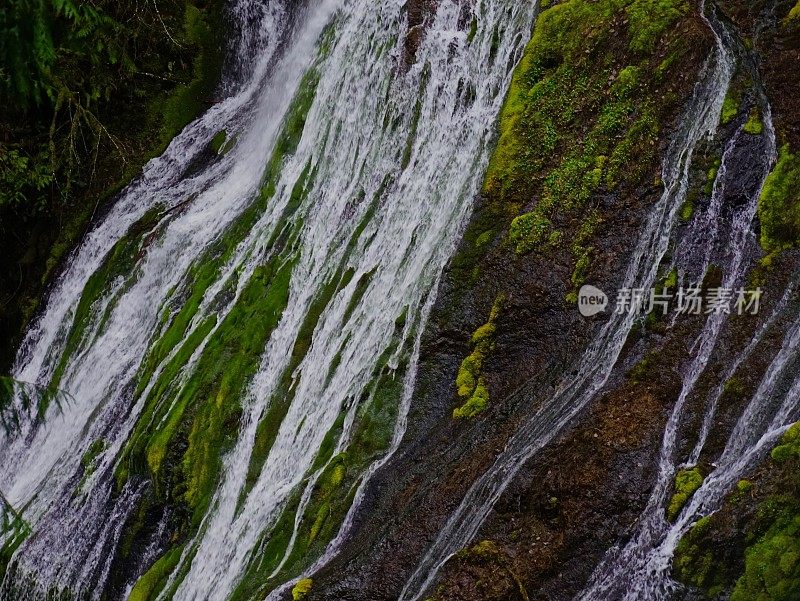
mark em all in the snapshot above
pixel 686 483
pixel 694 561
pixel 779 204
pixel 470 385
pixel 302 588
pixel 772 565
pixel 574 119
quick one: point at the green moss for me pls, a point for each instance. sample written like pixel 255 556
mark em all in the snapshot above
pixel 643 369
pixel 711 177
pixel 730 108
pixel 772 565
pixel 302 588
pixel 794 14
pixel 789 447
pixel 694 561
pixel 152 582
pixel 650 19
pixel 743 490
pixel 527 231
pixel 686 483
pixel 482 551
pixel 476 403
pixel 332 494
pixel 564 133
pixel 754 125
pixel 779 204
pixel 687 210
pixel 118 263
pixel 734 388
pixel 204 410
pixel 470 386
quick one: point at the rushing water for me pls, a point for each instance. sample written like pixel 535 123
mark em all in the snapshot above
pixel 377 187
pixel 641 569
pixel 598 361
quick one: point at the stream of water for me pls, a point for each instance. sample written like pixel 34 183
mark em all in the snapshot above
pixel 368 201
pixel 598 361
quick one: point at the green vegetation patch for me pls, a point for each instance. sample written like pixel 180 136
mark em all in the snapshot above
pixel 772 565
pixel 694 562
pixel 301 589
pixel 686 483
pixel 470 385
pixel 578 120
pixel 779 204
pixel 730 107
pixel 153 581
pixel 754 125
pixel 789 447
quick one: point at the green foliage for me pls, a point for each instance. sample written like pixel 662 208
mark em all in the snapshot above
pixel 779 204
pixel 21 178
pixel 13 531
pixel 686 483
pixel 37 36
pixel 189 99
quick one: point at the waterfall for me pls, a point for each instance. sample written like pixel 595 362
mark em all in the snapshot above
pixel 599 359
pixel 343 186
pixel 643 564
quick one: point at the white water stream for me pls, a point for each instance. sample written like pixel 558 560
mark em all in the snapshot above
pixel 367 110
pixel 598 361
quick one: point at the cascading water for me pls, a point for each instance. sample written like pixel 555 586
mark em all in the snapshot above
pixel 641 569
pixel 301 260
pixel 598 361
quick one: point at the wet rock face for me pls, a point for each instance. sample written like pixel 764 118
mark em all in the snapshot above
pixel 419 12
pixel 578 496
